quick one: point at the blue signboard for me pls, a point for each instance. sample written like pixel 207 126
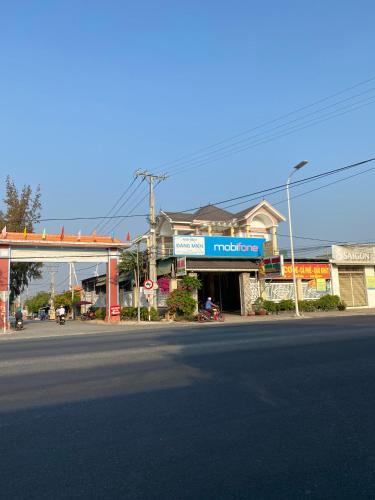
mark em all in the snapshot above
pixel 217 246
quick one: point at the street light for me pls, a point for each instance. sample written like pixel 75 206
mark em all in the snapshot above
pixel 294 170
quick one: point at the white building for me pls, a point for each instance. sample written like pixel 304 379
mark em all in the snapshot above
pixel 353 274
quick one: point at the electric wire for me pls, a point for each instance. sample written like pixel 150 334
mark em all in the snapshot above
pixel 268 122
pixel 279 187
pixel 232 149
pixel 97 227
pixel 271 138
pixel 137 187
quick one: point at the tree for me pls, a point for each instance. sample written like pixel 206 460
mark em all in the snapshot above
pixel 65 299
pixel 128 263
pixel 22 209
pixel 40 300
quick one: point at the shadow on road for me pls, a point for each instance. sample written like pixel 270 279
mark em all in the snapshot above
pixel 220 416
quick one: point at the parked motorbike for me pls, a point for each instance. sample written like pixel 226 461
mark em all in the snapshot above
pixel 87 315
pixel 215 315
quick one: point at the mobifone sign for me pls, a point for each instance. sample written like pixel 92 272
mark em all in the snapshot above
pixel 217 246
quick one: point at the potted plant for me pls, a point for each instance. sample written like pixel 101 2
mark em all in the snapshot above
pixel 259 307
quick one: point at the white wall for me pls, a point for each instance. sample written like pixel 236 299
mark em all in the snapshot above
pixel 335 280
pixel 369 271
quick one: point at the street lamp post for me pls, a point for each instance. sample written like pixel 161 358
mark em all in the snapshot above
pixel 294 170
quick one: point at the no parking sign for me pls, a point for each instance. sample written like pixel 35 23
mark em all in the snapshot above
pixel 148 284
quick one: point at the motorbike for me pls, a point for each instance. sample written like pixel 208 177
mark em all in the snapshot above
pixel 19 325
pixel 87 316
pixel 215 315
pixel 62 320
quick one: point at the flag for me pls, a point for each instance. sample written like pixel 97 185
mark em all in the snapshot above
pixel 44 234
pixel 4 232
pixel 62 233
pixel 25 232
pixel 79 235
pixel 113 236
pixel 94 235
pixel 128 238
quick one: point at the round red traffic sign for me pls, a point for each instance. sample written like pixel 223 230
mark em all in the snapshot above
pixel 148 284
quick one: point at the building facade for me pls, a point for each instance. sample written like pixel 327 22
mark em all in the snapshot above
pixel 353 274
pixel 221 247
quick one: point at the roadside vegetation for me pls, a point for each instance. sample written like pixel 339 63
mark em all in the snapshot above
pixel 324 303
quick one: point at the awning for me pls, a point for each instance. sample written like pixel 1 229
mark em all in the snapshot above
pixel 164 266
pixel 229 265
pixel 101 281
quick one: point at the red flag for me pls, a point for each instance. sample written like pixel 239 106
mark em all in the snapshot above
pixel 62 233
pixel 128 238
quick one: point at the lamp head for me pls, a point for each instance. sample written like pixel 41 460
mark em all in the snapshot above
pixel 300 165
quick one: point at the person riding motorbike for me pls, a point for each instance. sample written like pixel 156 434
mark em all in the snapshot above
pixel 209 306
pixel 60 313
pixel 19 317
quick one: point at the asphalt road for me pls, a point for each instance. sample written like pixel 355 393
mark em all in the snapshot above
pixel 277 410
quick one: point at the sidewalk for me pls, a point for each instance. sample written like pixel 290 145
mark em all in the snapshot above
pixel 37 329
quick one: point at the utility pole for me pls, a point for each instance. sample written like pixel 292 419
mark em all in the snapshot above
pixel 52 270
pixel 153 246
pixel 71 286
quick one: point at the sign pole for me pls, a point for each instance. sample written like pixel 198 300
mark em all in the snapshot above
pixel 138 288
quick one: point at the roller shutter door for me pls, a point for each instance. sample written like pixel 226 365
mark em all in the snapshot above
pixel 352 288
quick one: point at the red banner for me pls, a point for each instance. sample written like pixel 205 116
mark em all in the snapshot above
pixel 115 310
pixel 307 271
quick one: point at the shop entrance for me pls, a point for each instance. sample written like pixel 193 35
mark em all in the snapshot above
pixel 352 286
pixel 223 288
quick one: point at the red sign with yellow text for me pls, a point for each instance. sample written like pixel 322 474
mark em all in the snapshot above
pixel 306 271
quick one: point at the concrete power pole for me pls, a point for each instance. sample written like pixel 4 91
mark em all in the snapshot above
pixel 153 246
pixel 52 270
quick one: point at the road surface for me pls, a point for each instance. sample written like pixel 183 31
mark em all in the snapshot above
pixel 277 410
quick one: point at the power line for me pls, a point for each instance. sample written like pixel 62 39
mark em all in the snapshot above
pixel 117 202
pixel 326 185
pixel 129 213
pixel 305 192
pixel 124 203
pixel 268 122
pixel 280 187
pixel 231 148
pixel 280 135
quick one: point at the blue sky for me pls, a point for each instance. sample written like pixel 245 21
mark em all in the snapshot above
pixel 91 91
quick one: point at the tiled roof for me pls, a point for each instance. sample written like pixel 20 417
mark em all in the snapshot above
pixel 211 212
pixel 180 216
pixel 244 212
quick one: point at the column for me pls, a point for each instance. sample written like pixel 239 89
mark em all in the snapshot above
pixel 4 288
pixel 245 293
pixel 275 250
pixel 112 291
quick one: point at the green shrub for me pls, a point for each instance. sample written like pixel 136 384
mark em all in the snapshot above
pixel 154 315
pixel 190 283
pixel 328 302
pixel 100 313
pixel 341 306
pixel 180 302
pixel 286 305
pixel 128 312
pixel 307 305
pixel 259 304
pixel 131 313
pixel 271 307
